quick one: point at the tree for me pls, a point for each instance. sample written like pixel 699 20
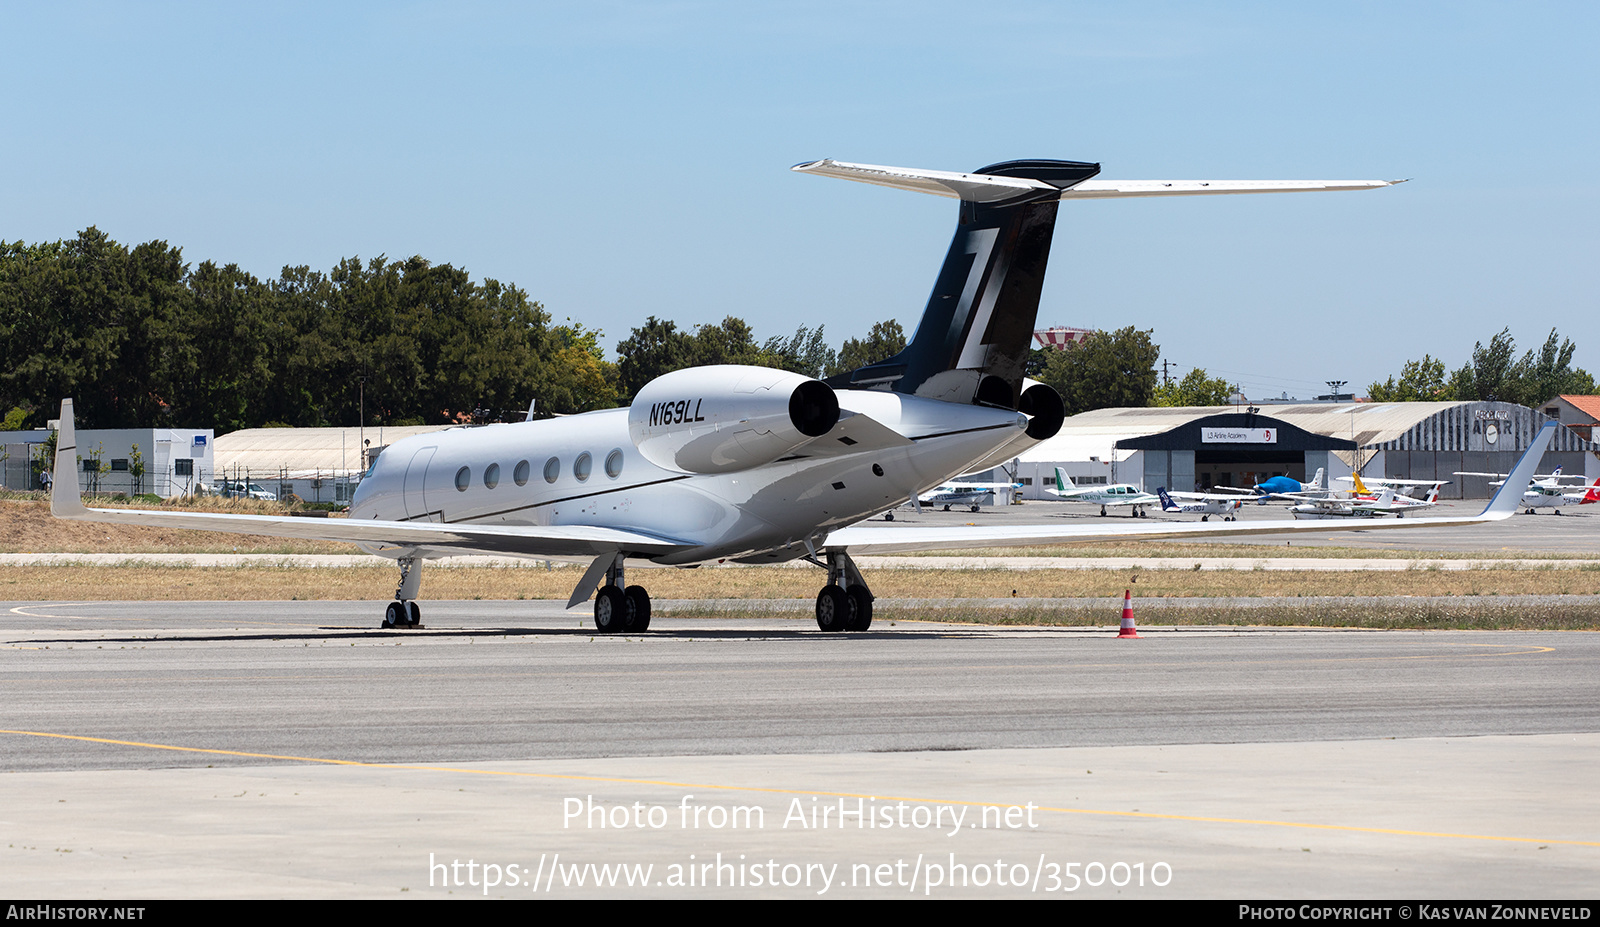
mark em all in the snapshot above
pixel 1195 389
pixel 1420 381
pixel 652 349
pixel 805 353
pixel 1115 370
pixel 883 341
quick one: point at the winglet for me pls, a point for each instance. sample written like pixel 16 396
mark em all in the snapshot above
pixel 65 501
pixel 1509 495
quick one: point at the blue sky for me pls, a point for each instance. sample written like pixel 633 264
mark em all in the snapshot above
pixel 619 160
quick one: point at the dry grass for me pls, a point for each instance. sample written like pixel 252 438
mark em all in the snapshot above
pixel 26 526
pixel 136 582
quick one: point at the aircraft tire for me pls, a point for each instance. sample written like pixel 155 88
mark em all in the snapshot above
pixel 888 516
pixel 947 508
pixel 862 599
pixel 394 615
pixel 413 614
pixel 835 609
pixel 639 603
pixel 610 611
pixel 974 508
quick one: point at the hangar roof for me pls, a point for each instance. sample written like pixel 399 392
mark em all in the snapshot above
pixel 331 451
pixel 1391 425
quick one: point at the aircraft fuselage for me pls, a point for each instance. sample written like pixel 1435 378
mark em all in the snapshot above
pixel 585 470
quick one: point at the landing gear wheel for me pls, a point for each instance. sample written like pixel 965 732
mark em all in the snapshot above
pixel 888 516
pixel 394 615
pixel 862 600
pixel 947 508
pixel 413 614
pixel 611 611
pixel 835 609
pixel 1205 517
pixel 639 604
pixel 974 508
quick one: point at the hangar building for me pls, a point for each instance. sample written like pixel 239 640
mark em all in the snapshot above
pixel 1185 448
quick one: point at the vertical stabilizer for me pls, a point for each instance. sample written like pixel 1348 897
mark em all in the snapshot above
pixel 973 341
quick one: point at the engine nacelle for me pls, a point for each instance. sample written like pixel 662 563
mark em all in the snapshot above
pixel 726 418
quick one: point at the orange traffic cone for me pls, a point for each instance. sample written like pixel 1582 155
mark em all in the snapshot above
pixel 1128 630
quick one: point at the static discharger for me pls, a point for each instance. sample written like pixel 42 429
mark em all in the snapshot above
pixel 1128 629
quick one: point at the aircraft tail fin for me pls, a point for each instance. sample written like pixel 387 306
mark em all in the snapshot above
pixel 1593 495
pixel 1433 495
pixel 1063 481
pixel 1360 487
pixel 1316 482
pixel 1167 505
pixel 973 342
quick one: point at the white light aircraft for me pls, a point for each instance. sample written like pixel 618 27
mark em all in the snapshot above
pixel 1204 504
pixel 1113 496
pixel 756 465
pixel 1547 492
pixel 1386 502
pixel 962 492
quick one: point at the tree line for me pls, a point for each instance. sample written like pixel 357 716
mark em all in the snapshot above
pixel 140 338
pixel 1494 372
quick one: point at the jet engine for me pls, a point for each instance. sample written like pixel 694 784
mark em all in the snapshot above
pixel 1044 409
pixel 726 418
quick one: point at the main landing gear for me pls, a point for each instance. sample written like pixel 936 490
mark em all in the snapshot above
pixel 845 603
pixel 619 608
pixel 403 611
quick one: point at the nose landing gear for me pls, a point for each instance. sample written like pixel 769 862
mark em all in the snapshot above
pixel 403 611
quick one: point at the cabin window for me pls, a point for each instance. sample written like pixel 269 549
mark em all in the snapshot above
pixel 491 476
pixel 552 469
pixel 520 474
pixel 614 463
pixel 463 479
pixel 583 466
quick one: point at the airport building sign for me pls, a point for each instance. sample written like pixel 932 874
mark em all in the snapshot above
pixel 1238 436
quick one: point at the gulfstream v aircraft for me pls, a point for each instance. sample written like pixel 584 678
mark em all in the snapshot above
pixel 763 466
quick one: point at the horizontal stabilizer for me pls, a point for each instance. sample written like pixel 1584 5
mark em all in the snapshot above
pixel 1105 189
pixel 991 188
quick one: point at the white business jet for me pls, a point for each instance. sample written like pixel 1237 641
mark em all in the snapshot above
pixel 756 465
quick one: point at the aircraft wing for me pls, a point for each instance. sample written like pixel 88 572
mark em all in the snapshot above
pixel 861 539
pixel 541 541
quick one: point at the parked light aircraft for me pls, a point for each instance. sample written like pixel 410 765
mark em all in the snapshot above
pixel 962 492
pixel 1204 504
pixel 757 465
pixel 1117 494
pixel 1546 491
pixel 1386 502
pixel 1551 497
pixel 1278 485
